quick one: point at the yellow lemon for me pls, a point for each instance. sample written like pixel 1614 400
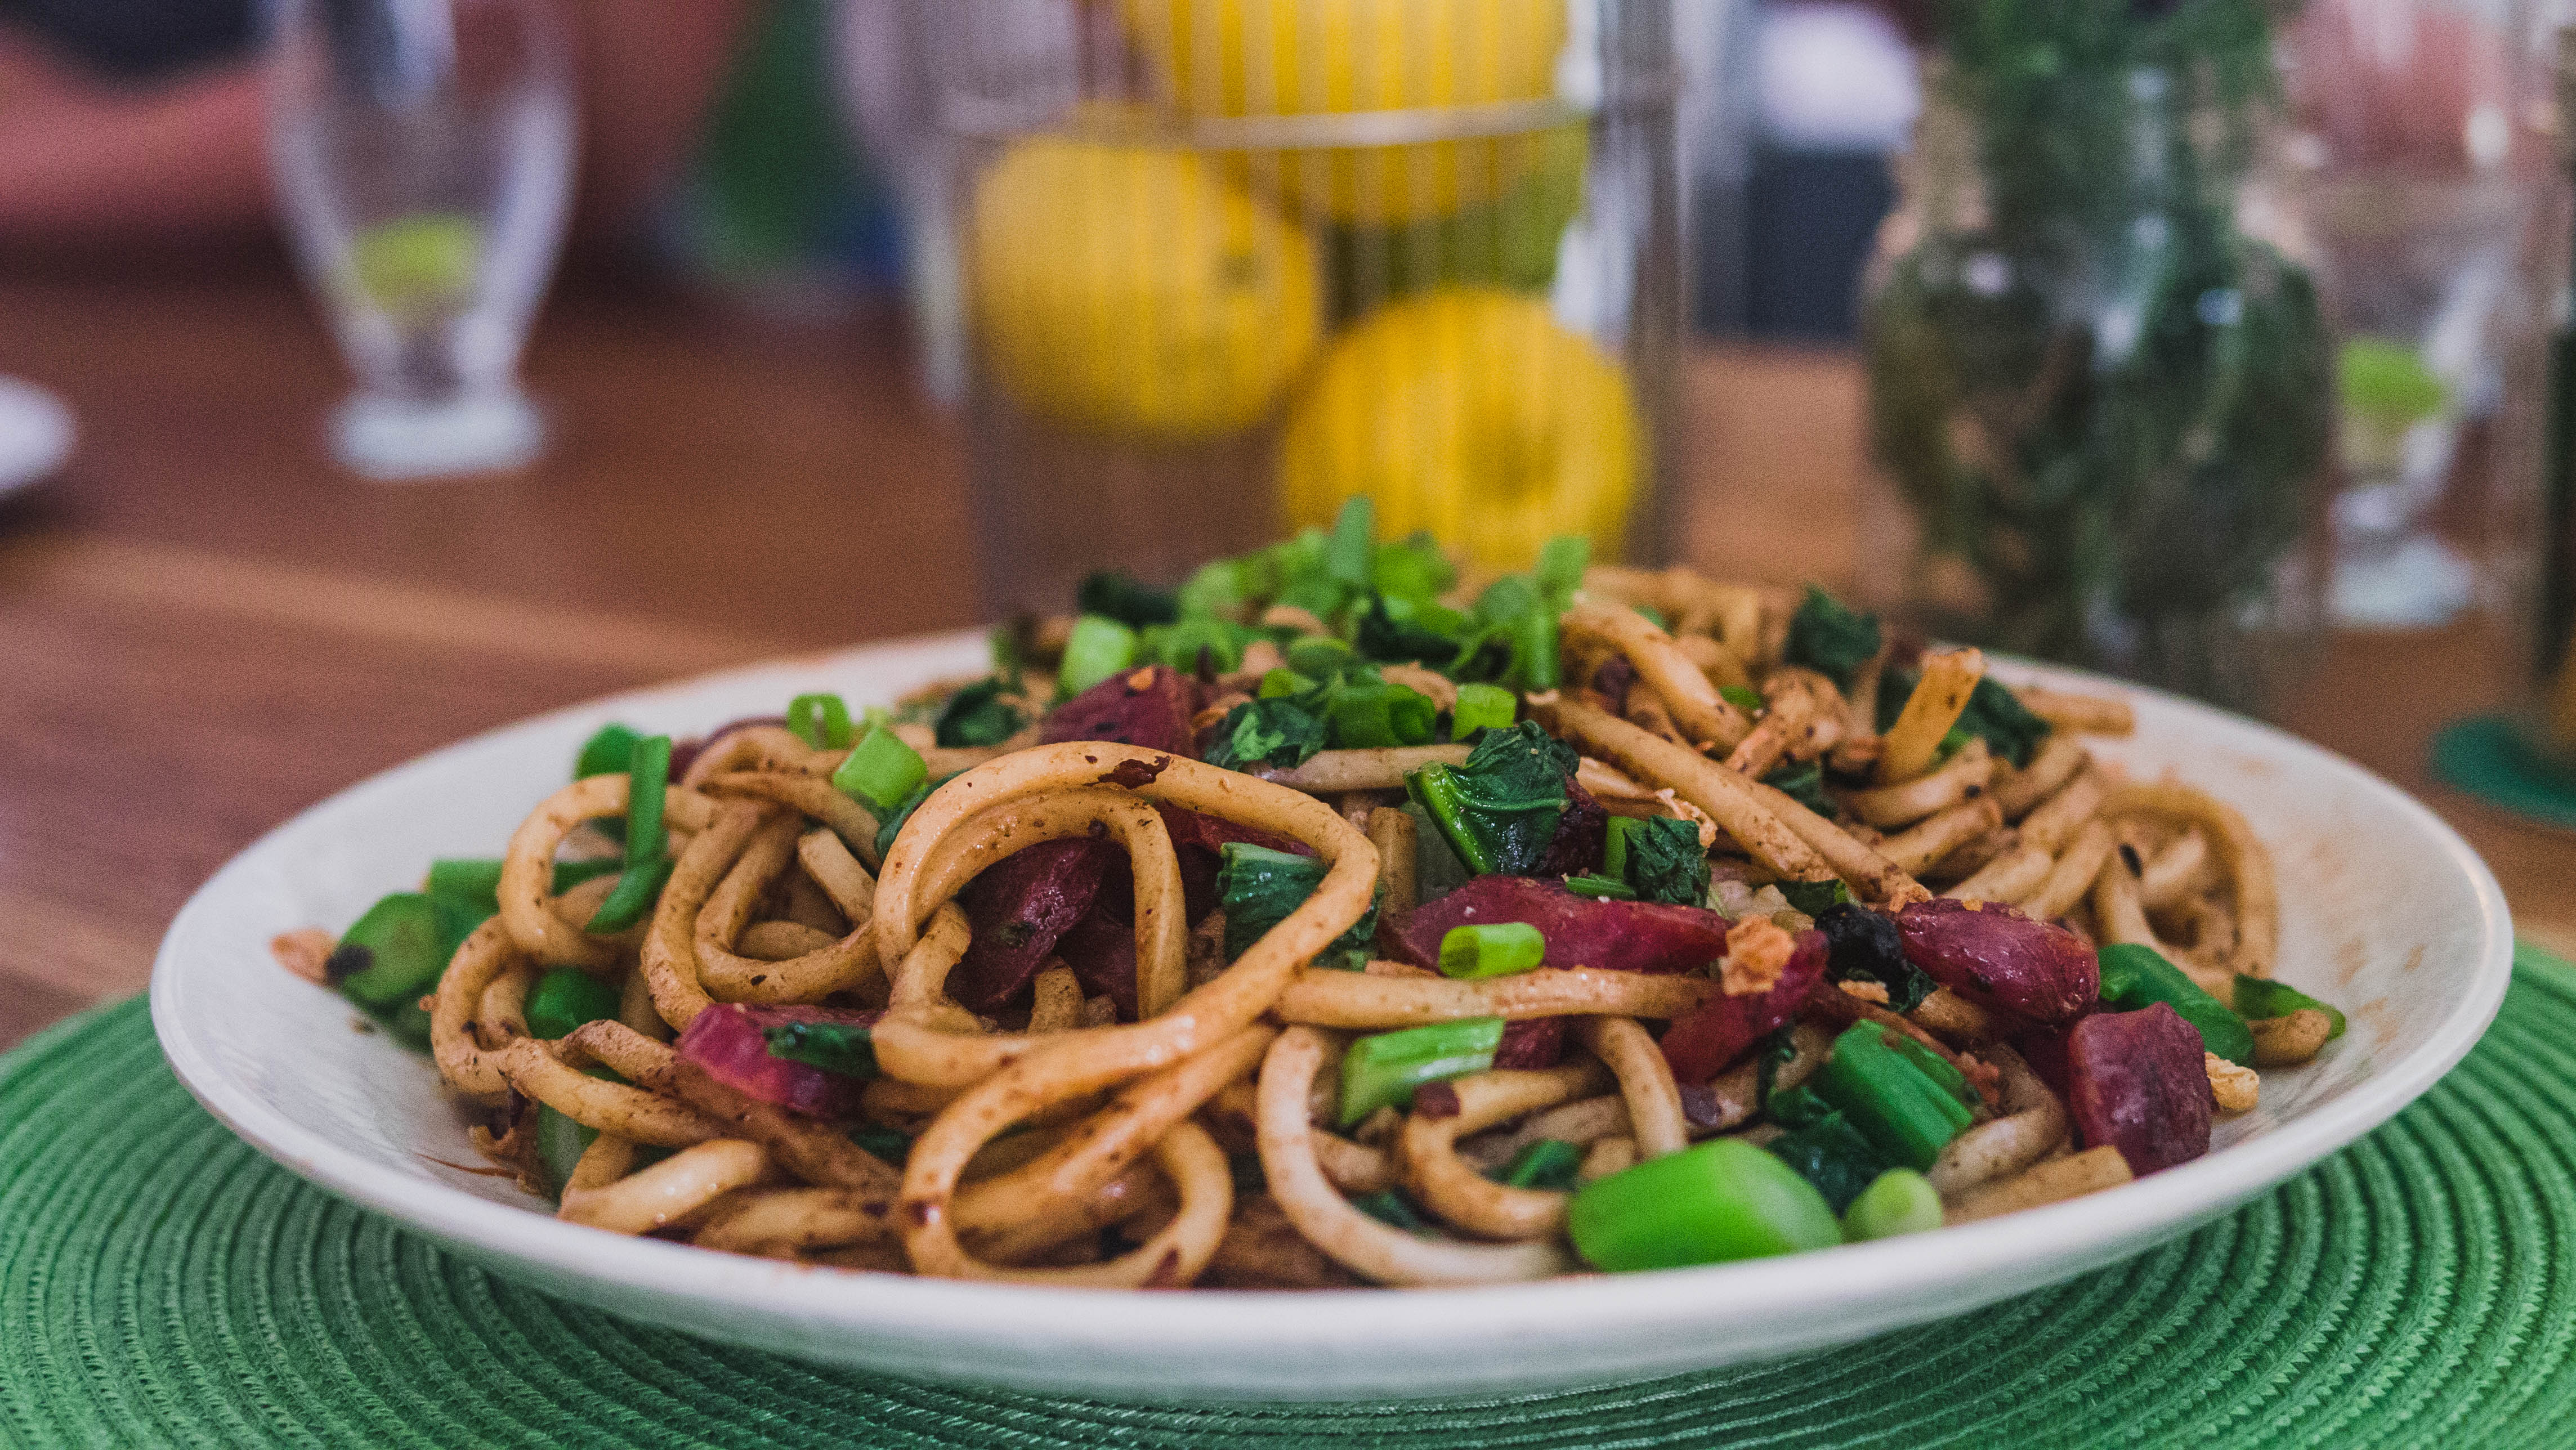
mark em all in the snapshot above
pixel 1134 291
pixel 1240 58
pixel 1468 412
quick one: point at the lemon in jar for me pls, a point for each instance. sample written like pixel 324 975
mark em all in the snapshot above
pixel 1134 291
pixel 1471 413
pixel 1234 59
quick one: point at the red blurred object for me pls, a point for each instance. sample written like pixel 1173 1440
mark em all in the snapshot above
pixel 729 1043
pixel 1702 1045
pixel 2000 958
pixel 2138 1081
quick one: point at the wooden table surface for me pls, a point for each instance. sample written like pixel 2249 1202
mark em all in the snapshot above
pixel 205 627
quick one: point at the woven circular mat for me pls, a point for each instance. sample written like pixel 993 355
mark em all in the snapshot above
pixel 2483 756
pixel 162 1284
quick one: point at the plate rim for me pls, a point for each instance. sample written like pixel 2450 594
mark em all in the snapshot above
pixel 1860 1281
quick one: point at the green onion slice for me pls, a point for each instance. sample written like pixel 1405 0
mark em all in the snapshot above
pixel 1491 949
pixel 881 771
pixel 1382 1070
pixel 821 721
pixel 1482 707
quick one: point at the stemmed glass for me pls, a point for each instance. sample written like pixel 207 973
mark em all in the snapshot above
pixel 423 150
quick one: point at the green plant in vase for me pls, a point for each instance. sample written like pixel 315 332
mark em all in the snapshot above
pixel 2106 401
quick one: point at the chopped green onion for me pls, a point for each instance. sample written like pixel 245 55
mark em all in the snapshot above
pixel 1412 569
pixel 648 777
pixel 1388 1207
pixel 1899 1201
pixel 880 771
pixel 836 1047
pixel 1906 1115
pixel 638 886
pixel 1614 848
pixel 1607 888
pixel 1561 562
pixel 560 1144
pixel 1319 656
pixel 1282 683
pixel 564 999
pixel 1366 717
pixel 1741 697
pixel 1491 949
pixel 821 721
pixel 404 942
pixel 1719 1201
pixel 1353 545
pixel 891 1144
pixel 1382 1070
pixel 2260 997
pixel 1100 647
pixel 1482 707
pixel 605 753
pixel 472 884
pixel 1547 1163
pixel 2135 977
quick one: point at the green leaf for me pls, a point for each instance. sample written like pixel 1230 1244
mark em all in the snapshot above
pixel 1500 809
pixel 978 715
pixel 1351 550
pixel 1813 897
pixel 1833 1155
pixel 1258 887
pixel 1412 569
pixel 842 1048
pixel 891 825
pixel 1125 598
pixel 1804 784
pixel 1381 636
pixel 1831 639
pixel 1664 859
pixel 1282 733
pixel 1180 645
pixel 1996 715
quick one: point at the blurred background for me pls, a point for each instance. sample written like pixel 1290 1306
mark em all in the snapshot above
pixel 377 371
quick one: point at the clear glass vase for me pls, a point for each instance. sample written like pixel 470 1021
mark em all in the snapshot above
pixel 2099 383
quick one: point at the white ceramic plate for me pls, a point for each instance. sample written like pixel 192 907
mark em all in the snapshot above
pixel 2385 912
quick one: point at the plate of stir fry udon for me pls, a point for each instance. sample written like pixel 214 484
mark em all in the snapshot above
pixel 1637 970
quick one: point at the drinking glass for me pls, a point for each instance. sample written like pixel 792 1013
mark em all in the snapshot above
pixel 423 150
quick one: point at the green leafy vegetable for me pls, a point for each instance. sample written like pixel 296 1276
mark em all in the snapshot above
pixel 1996 715
pixel 1813 897
pixel 1350 551
pixel 1412 569
pixel 1561 562
pixel 1605 887
pixel 979 715
pixel 1831 1154
pixel 1280 732
pixel 1804 784
pixel 1124 598
pixel 892 1145
pixel 1181 645
pixel 472 884
pixel 1481 707
pixel 1365 715
pixel 1500 809
pixel 1381 636
pixel 560 1144
pixel 1831 639
pixel 1742 697
pixel 1390 1208
pixel 1661 858
pixel 1259 887
pixel 890 825
pixel 2136 977
pixel 844 1048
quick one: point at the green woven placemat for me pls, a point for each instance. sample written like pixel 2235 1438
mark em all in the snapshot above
pixel 2485 757
pixel 160 1283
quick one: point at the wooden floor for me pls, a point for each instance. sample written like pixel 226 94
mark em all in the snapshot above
pixel 204 627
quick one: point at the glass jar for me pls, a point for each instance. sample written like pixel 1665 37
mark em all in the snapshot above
pixel 1223 264
pixel 2099 382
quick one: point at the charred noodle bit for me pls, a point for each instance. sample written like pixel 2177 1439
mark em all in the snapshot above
pixel 667 1192
pixel 1703 715
pixel 2034 1122
pixel 1325 998
pixel 2247 864
pixel 1346 1235
pixel 1645 1082
pixel 670 955
pixel 1736 804
pixel 1442 1182
pixel 1938 699
pixel 1070 1064
pixel 729 977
